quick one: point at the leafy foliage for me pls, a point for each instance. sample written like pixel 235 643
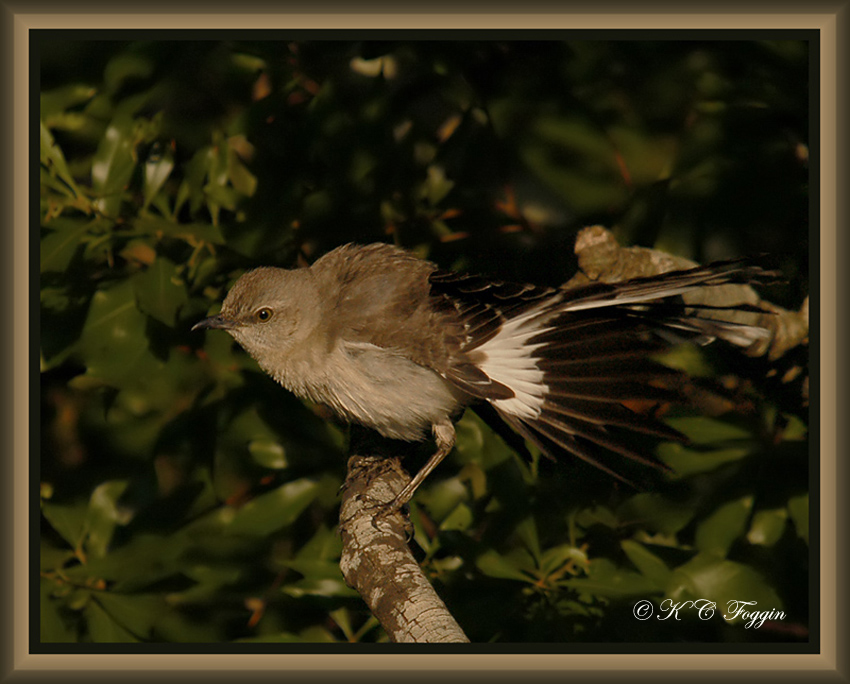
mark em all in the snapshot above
pixel 187 498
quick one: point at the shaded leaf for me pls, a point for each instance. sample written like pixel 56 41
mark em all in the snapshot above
pixel 493 564
pixel 271 511
pixel 607 580
pixel 798 509
pixel 716 533
pixel 193 233
pixel 315 586
pixel 157 170
pixel 160 291
pixel 113 337
pixel 686 462
pixel 767 526
pixel 656 513
pixel 52 156
pixel 460 518
pixel 268 453
pixel 648 564
pixel 243 181
pixel 555 558
pixel 706 430
pixel 113 165
pixel 57 100
pixel 138 613
pixel 104 629
pixel 59 247
pixel 103 514
pixel 722 581
pixel 67 519
pixel 53 628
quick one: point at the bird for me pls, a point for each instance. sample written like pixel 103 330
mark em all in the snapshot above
pixel 392 342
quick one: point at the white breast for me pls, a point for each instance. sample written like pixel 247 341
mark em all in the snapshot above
pixel 383 390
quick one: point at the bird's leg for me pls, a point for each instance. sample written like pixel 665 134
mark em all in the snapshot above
pixel 444 434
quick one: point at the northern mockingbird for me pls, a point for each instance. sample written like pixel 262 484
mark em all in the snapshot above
pixel 389 341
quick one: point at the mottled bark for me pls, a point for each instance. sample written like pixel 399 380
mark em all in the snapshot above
pixel 376 559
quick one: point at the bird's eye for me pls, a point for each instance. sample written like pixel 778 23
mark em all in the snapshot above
pixel 263 315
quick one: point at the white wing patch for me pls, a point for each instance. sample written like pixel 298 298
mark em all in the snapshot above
pixel 640 297
pixel 510 361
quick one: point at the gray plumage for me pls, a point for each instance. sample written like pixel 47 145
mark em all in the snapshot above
pixel 389 341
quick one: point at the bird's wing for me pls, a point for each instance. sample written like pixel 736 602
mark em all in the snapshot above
pixel 561 365
pixel 380 295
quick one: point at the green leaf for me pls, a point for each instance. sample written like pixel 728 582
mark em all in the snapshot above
pixel 248 428
pixel 51 155
pixel 798 509
pixel 721 581
pixel 143 560
pixel 160 291
pixel 460 518
pixel 686 462
pixel 67 519
pixel 157 170
pixel 598 515
pixel 113 339
pixel 268 453
pixel 193 233
pixel 648 564
pixel 59 246
pixel 124 66
pixel 315 568
pixel 705 430
pixel 493 564
pixel 113 165
pixel 526 530
pixel 556 557
pixel 436 186
pixel 604 579
pixel 52 558
pixel 656 513
pixel 242 180
pixel 327 587
pixel 53 627
pixel 767 526
pixel 192 187
pixel 56 101
pixel 470 438
pixel 717 533
pixel 442 498
pixel 271 511
pixel 324 545
pixel 477 443
pixel 104 629
pixel 138 613
pixel 594 183
pixel 103 515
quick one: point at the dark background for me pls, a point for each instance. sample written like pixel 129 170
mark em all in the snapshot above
pixel 187 498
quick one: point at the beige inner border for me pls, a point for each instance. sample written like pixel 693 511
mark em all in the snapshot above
pixel 826 661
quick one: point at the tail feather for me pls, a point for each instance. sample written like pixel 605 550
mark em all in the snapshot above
pixel 615 415
pixel 605 389
pixel 595 434
pixel 558 364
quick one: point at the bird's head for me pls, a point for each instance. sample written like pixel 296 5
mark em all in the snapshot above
pixel 268 311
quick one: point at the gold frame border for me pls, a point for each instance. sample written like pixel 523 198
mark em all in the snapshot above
pixel 829 19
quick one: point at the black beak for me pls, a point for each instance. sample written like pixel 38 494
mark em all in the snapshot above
pixel 216 321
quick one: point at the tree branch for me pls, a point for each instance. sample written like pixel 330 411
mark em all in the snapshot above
pixel 377 562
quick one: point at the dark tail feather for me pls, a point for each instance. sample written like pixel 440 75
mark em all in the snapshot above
pixel 594 346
